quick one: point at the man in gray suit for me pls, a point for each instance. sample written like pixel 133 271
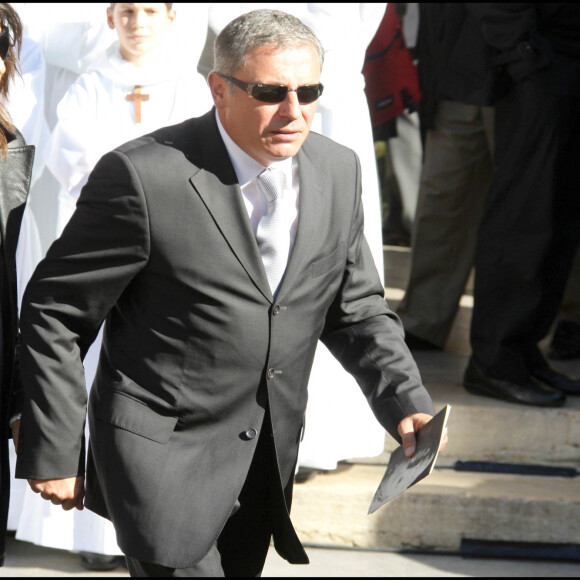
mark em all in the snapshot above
pixel 196 411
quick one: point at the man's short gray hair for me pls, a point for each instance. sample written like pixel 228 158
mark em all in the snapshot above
pixel 256 29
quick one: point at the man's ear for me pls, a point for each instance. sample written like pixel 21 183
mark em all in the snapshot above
pixel 110 20
pixel 219 88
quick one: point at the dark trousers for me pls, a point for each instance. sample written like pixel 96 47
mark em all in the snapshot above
pixel 243 544
pixel 531 223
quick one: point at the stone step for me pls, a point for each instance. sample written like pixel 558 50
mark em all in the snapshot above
pixel 450 506
pixel 489 430
pixel 481 428
pixel 437 513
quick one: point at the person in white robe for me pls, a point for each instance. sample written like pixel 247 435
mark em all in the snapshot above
pixel 26 108
pixel 339 424
pixel 94 117
pixel 71 37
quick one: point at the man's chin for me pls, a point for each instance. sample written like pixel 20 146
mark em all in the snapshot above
pixel 283 151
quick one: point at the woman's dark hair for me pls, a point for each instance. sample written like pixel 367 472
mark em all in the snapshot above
pixel 10 20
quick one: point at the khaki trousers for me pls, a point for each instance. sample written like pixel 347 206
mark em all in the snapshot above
pixel 455 178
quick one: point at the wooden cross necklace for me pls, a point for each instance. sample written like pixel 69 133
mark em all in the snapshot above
pixel 137 97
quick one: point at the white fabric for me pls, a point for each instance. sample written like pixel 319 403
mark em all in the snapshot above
pixel 406 149
pixel 407 156
pixel 93 118
pixel 28 254
pixel 339 422
pixel 247 170
pixel 273 234
pixel 72 36
pixel 26 108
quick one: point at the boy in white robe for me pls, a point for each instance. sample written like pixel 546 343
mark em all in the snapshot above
pixel 142 83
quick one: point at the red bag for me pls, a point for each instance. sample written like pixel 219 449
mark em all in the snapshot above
pixel 391 79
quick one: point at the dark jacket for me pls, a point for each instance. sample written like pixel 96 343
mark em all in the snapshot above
pixel 454 61
pixel 15 172
pixel 528 38
pixel 195 347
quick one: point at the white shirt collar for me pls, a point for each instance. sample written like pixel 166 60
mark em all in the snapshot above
pixel 246 167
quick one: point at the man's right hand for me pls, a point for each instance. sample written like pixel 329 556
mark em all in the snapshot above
pixel 68 493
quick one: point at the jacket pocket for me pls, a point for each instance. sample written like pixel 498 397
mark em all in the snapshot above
pixel 131 415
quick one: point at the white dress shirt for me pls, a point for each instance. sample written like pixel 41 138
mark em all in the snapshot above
pixel 247 170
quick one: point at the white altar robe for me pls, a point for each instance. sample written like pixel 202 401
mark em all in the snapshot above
pixel 93 118
pixel 26 108
pixel 339 422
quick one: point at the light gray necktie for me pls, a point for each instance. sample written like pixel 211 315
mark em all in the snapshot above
pixel 273 233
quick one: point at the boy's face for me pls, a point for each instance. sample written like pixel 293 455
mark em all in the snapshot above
pixel 140 28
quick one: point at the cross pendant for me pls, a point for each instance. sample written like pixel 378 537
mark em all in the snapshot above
pixel 137 97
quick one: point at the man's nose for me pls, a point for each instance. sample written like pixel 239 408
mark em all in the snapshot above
pixel 290 106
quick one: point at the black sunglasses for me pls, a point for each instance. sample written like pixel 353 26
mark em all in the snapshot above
pixel 277 93
pixel 4 43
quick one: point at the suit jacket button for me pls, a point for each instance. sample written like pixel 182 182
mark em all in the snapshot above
pixel 251 433
pixel 270 374
pixel 276 309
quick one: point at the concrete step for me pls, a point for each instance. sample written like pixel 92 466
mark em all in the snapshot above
pixel 480 428
pixel 437 513
pixel 489 430
pixel 449 506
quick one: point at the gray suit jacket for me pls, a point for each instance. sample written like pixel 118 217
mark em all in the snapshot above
pixel 195 347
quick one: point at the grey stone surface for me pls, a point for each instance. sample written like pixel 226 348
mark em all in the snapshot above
pixel 439 512
pixel 481 428
pixel 27 560
pixel 450 505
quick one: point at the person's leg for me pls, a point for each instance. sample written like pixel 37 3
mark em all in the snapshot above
pixel 454 181
pixel 521 251
pixel 565 342
pixel 570 306
pixel 561 271
pixel 245 539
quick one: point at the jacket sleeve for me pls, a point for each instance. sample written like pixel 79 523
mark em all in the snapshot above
pixel 103 247
pixel 368 339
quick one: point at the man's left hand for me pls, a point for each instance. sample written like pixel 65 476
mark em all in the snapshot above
pixel 67 492
pixel 409 426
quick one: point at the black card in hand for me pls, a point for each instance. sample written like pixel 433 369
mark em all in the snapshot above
pixel 403 472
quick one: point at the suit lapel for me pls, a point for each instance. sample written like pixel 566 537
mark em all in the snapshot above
pixel 216 184
pixel 311 211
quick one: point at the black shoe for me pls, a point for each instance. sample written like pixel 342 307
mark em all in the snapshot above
pixel 527 392
pixel 565 343
pixel 101 562
pixel 415 342
pixel 556 380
